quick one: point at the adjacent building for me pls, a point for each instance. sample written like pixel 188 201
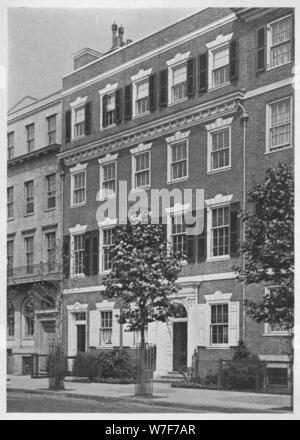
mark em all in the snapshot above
pixel 34 219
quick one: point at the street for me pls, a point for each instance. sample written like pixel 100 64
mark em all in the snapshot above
pixel 24 402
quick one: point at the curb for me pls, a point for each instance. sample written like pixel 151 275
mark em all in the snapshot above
pixel 148 401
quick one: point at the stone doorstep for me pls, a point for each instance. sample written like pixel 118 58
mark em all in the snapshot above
pixel 150 402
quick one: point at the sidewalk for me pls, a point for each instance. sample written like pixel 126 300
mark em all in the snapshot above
pixel 163 394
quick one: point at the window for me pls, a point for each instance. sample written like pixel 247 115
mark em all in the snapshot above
pixel 277 377
pixel 142 170
pixel 179 83
pixel 28 311
pixel 80 316
pixel 178 235
pixel 179 159
pixel 220 231
pixel 107 244
pixel 106 328
pixel 10 319
pixel 110 109
pixel 51 250
pixel 10 145
pixel 220 149
pixel 30 137
pixel 219 324
pixel 279 116
pixel 109 178
pixel 29 254
pixel 29 197
pixel 280 42
pixel 142 98
pixel 51 191
pixel 79 121
pixel 220 66
pixel 10 202
pixel 78 254
pixel 78 188
pixel 51 129
pixel 10 257
pixel 275 329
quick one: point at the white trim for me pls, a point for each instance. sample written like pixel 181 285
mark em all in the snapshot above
pixel 76 105
pixel 268 125
pixel 218 296
pixel 78 229
pixel 78 167
pixel 219 199
pixel 218 125
pixel 220 42
pixel 78 102
pixel 109 88
pixel 108 222
pixel 141 75
pixel 177 61
pixel 178 208
pixel 274 357
pixel 73 308
pixel 269 43
pixel 179 58
pixel 185 38
pixel 105 305
pixel 269 87
pixel 109 158
pixel 83 290
pixel 178 137
pixel 141 148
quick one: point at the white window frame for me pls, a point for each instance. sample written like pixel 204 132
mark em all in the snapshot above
pixel 106 328
pixel 10 145
pixel 269 42
pixel 269 150
pixel 27 198
pixel 46 235
pixel 76 230
pixel 106 306
pixel 11 203
pixel 140 77
pixel 107 160
pixel 141 148
pixel 219 125
pixel 219 201
pixel 79 168
pixel 178 137
pixel 177 209
pixel 26 237
pixel 109 89
pixel 222 41
pixel 178 61
pixel 108 223
pixel 76 105
pixel 49 192
pixel 267 327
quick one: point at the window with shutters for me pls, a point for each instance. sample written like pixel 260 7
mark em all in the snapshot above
pixel 78 254
pixel 220 66
pixel 51 191
pixel 110 106
pixel 279 40
pixel 29 197
pixel 51 129
pixel 107 242
pixel 177 78
pixel 10 257
pixel 222 61
pixel 10 145
pixel 279 125
pixel 110 114
pixel 219 324
pixel 79 122
pixel 10 202
pixel 78 188
pixel 106 324
pixel 29 254
pixel 141 166
pixel 142 98
pixel 108 176
pixel 141 92
pixel 30 137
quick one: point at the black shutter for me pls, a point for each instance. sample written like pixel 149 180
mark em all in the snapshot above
pixel 104 116
pixel 261 49
pixel 66 256
pixel 201 242
pixel 118 106
pixel 88 118
pixel 293 38
pixel 234 228
pixel 86 263
pixel 152 92
pixel 233 60
pixel 191 248
pixel 191 65
pixel 68 126
pixel 128 101
pixel 203 72
pixel 163 88
pixel 95 252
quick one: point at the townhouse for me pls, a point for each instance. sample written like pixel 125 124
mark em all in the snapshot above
pixel 34 219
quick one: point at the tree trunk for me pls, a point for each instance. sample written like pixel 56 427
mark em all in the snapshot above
pixel 143 363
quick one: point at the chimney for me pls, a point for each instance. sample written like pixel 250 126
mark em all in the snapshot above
pixel 121 33
pixel 114 29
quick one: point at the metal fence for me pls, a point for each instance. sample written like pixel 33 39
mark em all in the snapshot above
pixel 145 366
pixel 56 366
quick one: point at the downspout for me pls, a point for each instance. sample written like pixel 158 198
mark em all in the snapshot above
pixel 244 119
pixel 62 181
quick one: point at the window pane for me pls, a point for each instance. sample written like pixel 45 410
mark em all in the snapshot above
pixel 110 102
pixel 142 90
pixel 221 58
pixel 179 75
pixel 79 115
pixel 281 31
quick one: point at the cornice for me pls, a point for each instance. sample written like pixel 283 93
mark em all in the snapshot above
pixel 33 154
pixel 199 114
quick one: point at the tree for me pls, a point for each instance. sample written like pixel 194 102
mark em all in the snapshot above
pixel 268 249
pixel 143 277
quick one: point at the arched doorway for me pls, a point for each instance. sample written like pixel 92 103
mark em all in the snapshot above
pixel 180 338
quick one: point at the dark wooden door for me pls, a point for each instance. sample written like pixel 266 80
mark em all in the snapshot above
pixel 80 338
pixel 179 346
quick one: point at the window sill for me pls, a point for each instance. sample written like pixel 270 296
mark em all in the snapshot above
pixel 276 334
pixel 10 338
pixel 77 205
pixel 219 86
pixel 279 149
pixel 222 258
pixel 142 188
pixel 50 209
pixel 78 275
pixel 219 170
pixel 178 101
pixel 102 198
pixel 216 346
pixel 182 179
pixel 29 215
pixel 105 272
pixel 10 219
pixel 28 338
pixel 276 67
pixel 141 115
pixel 78 137
pixel 107 127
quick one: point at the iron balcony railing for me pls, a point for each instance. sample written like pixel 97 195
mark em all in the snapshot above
pixel 35 270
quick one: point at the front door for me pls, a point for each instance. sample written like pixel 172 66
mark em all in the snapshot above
pixel 80 338
pixel 179 346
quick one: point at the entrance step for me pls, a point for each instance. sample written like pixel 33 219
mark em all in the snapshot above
pixel 173 376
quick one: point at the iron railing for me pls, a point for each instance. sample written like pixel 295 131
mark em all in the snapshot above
pixel 34 270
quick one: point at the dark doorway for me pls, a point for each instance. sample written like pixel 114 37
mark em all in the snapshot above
pixel 81 338
pixel 179 346
pixel 26 365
